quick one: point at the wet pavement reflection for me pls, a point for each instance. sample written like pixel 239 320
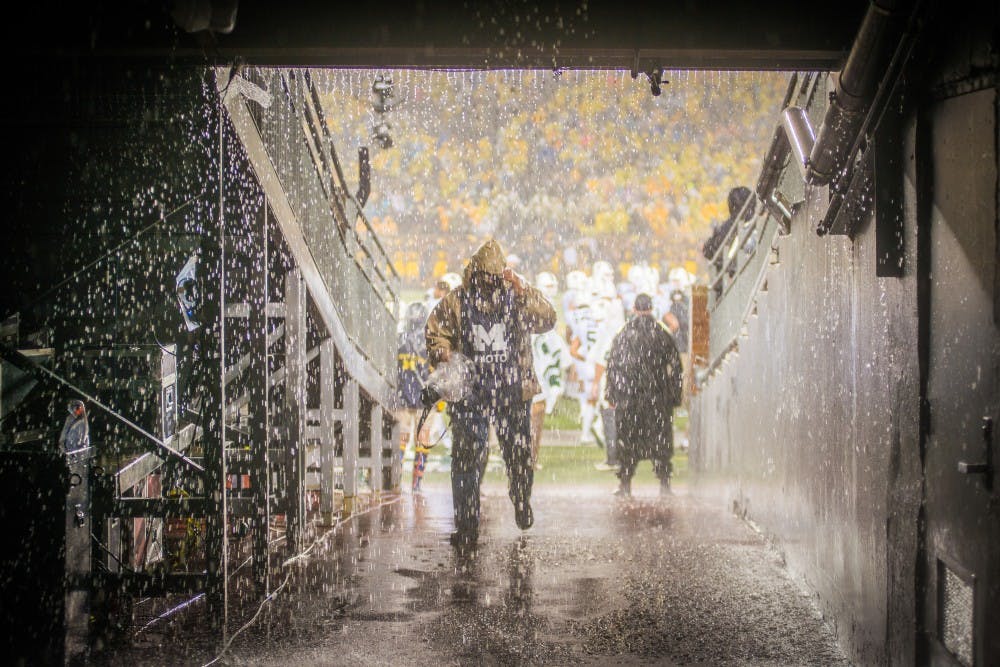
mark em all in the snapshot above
pixel 597 580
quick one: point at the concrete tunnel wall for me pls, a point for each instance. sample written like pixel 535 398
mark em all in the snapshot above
pixel 815 426
pixel 810 428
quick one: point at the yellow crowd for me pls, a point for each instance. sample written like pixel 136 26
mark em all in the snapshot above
pixel 588 160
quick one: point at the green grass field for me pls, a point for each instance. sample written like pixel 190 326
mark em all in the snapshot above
pixel 561 465
pixel 566 416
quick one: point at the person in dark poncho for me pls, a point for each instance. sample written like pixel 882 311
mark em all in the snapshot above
pixel 644 385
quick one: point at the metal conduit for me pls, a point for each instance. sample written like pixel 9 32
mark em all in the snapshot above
pixel 855 87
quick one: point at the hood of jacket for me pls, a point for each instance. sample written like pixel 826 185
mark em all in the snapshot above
pixel 737 197
pixel 489 258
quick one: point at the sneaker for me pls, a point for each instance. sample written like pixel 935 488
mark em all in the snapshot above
pixel 604 465
pixel 523 515
pixel 624 490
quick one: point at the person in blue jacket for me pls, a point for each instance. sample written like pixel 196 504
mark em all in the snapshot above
pixel 413 369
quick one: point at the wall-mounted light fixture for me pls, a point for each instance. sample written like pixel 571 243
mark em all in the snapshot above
pixel 655 81
pixel 382 94
pixel 381 105
pixel 782 210
pixel 382 134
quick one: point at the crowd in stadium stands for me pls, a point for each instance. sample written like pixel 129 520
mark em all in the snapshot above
pixel 563 170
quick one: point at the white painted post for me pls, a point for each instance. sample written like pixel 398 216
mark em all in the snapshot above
pixel 328 376
pixel 352 431
pixel 397 457
pixel 295 405
pixel 378 442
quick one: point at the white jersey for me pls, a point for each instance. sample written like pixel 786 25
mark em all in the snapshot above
pixel 549 352
pixel 584 327
pixel 598 354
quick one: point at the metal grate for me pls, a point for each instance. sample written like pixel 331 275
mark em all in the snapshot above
pixel 955 614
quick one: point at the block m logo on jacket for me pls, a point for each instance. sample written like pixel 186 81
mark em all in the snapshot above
pixel 490 346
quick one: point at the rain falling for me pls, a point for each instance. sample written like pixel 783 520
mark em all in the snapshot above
pixel 507 335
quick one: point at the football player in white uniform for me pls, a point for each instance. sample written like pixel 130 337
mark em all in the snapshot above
pixel 584 329
pixel 550 357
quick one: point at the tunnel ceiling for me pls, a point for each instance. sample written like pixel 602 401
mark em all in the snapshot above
pixel 764 34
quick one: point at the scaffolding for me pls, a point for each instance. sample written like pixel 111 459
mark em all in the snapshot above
pixel 274 413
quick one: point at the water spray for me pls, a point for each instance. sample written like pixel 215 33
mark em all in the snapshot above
pixel 451 381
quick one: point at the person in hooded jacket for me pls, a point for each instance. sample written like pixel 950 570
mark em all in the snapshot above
pixel 490 319
pixel 643 385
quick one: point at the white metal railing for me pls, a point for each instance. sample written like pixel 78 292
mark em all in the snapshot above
pixel 750 245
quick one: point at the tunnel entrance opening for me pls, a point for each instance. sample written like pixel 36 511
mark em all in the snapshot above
pixel 611 180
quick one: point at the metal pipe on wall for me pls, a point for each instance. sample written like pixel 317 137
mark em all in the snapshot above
pixel 855 87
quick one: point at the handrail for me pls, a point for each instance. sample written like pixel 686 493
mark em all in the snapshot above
pixel 332 200
pixel 775 162
pixel 113 253
pixel 312 116
pixel 733 267
pixel 740 263
pixel 160 448
pixel 367 354
pixel 727 242
pixel 343 181
pixel 702 374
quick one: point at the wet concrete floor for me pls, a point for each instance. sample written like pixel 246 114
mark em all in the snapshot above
pixel 596 581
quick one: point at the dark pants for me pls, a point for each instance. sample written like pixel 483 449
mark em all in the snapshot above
pixel 645 431
pixel 470 448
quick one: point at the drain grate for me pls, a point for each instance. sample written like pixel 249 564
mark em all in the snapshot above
pixel 956 605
